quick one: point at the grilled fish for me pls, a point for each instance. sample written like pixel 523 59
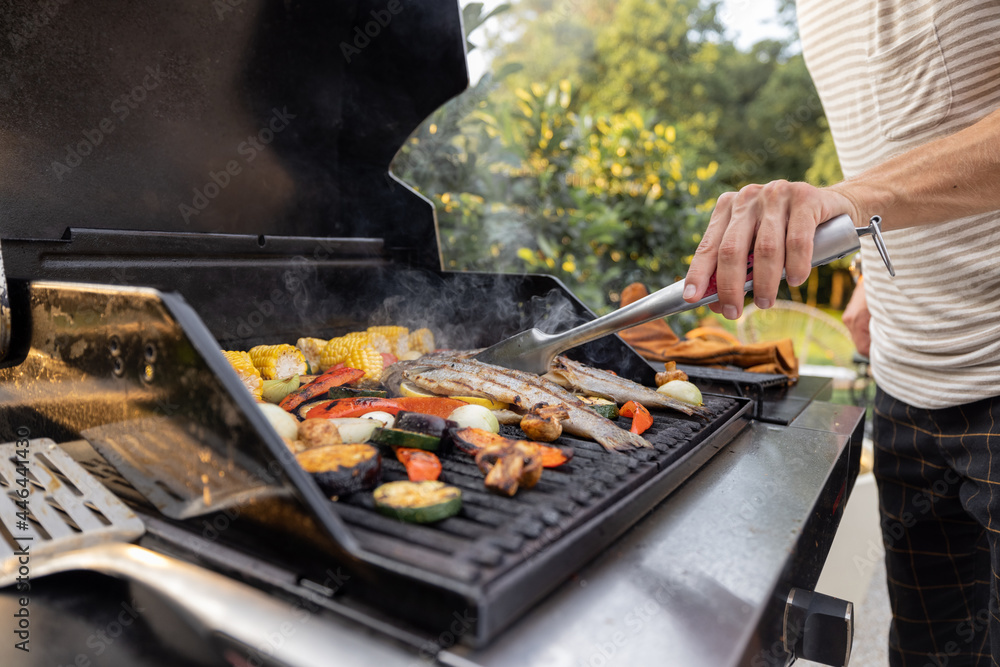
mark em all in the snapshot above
pixel 594 382
pixel 454 375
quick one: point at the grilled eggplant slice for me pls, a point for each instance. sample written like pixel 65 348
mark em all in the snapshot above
pixel 418 502
pixel 343 469
pixel 304 408
pixel 421 423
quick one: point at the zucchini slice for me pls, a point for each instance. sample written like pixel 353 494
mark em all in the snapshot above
pixel 342 469
pixel 353 392
pixel 418 502
pixel 394 437
pixel 601 406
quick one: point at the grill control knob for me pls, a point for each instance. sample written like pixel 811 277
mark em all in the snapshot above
pixel 818 627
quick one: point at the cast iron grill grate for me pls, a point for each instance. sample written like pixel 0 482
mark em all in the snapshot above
pixel 493 534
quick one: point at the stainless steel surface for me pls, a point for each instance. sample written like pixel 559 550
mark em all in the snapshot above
pixel 687 585
pixel 293 635
pixel 5 323
pixel 50 505
pixel 533 350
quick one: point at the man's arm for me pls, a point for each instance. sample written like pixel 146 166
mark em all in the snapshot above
pixel 944 179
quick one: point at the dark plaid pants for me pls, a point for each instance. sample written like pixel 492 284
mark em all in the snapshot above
pixel 938 474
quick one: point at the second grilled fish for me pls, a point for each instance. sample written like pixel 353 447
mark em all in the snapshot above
pixel 594 382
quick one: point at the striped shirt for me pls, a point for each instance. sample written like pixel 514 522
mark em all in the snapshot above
pixel 892 75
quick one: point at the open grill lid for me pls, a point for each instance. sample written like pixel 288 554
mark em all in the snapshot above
pixel 253 117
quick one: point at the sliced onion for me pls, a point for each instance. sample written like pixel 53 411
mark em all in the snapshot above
pixel 387 418
pixel 683 391
pixel 475 416
pixel 284 423
pixel 355 430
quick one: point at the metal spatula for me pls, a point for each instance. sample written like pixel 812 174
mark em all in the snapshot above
pixel 533 350
pixel 67 520
pixel 49 505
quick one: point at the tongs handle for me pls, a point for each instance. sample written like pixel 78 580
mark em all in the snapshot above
pixel 834 239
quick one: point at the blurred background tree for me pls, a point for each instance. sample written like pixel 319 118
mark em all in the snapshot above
pixel 596 145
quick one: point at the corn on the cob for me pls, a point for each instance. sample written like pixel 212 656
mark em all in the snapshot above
pixel 336 349
pixel 422 340
pixel 249 375
pixel 366 358
pixel 399 338
pixel 277 362
pixel 354 350
pixel 311 349
pixel 379 342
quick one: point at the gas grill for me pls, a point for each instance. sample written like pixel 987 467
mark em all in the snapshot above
pixel 212 176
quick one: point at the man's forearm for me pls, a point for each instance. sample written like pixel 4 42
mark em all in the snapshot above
pixel 947 178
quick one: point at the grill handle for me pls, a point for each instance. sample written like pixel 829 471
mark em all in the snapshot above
pixel 5 324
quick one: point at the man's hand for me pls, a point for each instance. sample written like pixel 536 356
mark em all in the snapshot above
pixel 856 318
pixel 776 222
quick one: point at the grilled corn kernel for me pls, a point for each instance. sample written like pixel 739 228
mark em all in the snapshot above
pixel 399 338
pixel 422 340
pixel 335 351
pixel 379 342
pixel 278 361
pixel 311 349
pixel 249 375
pixel 366 358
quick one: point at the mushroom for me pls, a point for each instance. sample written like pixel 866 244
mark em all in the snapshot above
pixel 509 466
pixel 543 422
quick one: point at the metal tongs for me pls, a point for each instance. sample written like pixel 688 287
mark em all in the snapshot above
pixel 533 350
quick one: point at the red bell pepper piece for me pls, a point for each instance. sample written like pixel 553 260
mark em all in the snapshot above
pixel 333 377
pixel 421 465
pixel 355 407
pixel 641 419
pixel 553 456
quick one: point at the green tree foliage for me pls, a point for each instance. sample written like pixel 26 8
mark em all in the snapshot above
pixel 597 148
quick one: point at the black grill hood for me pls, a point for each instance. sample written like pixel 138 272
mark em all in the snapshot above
pixel 251 117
